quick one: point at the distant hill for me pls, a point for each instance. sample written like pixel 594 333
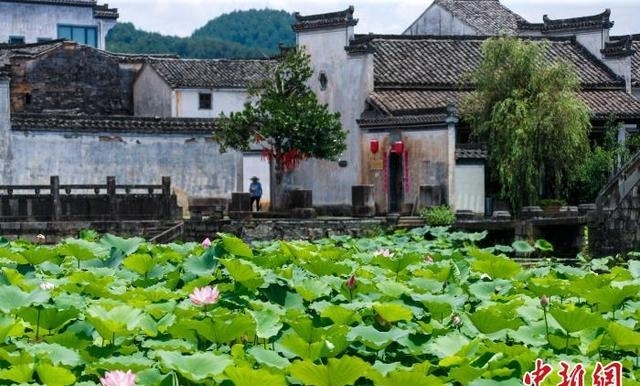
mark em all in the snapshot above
pixel 239 34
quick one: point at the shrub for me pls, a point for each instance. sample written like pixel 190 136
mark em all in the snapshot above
pixel 438 215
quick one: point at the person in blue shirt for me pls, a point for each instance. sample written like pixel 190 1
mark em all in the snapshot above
pixel 255 191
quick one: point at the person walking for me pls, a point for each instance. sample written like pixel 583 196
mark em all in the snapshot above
pixel 255 191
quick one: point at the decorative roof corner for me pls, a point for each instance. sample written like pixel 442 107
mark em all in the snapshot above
pixel 361 45
pixel 104 12
pixel 325 20
pixel 618 48
pixel 599 21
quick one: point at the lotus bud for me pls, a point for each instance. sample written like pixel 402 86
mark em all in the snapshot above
pixel 544 301
pixel 428 259
pixel 206 243
pixel 40 238
pixel 351 282
pixel 456 321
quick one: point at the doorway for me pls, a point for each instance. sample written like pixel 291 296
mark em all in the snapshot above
pixel 396 182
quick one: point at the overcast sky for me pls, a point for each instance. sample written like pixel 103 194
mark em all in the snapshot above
pixel 182 17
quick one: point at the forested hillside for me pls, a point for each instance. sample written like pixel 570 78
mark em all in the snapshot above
pixel 239 34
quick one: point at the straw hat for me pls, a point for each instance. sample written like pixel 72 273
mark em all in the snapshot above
pixel 254 178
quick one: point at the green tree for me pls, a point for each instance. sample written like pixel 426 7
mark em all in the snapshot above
pixel 285 119
pixel 527 110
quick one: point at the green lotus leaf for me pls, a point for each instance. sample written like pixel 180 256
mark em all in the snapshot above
pixel 533 335
pixel 140 263
pixel 311 288
pixel 374 338
pixel 196 367
pixel 135 362
pixel 82 250
pixel 393 312
pixel 225 329
pixel 48 317
pixel 13 256
pixel 268 321
pixel 497 267
pixel 337 372
pixel 153 377
pixel 119 320
pixel 495 318
pixel 502 382
pixel 12 298
pixel 573 319
pixel 21 373
pixel 325 267
pixel 39 255
pixel 299 253
pixel 393 289
pixel 611 298
pixel 301 347
pixel 634 268
pixel 268 357
pixel 179 345
pixel 10 327
pixel 244 272
pixel 338 314
pixel 448 345
pixel 397 264
pixel 543 245
pixel 521 246
pixel 126 246
pixel 624 337
pixel 235 246
pixel 410 378
pixel 54 353
pixel 203 265
pixel 246 376
pixel 55 375
pixel 465 373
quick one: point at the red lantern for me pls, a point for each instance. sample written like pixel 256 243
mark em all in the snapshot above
pixel 397 147
pixel 374 145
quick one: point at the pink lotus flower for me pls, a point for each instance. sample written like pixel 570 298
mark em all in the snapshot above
pixel 205 295
pixel 40 238
pixel 118 378
pixel 544 301
pixel 428 259
pixel 351 282
pixel 206 243
pixel 47 286
pixel 383 252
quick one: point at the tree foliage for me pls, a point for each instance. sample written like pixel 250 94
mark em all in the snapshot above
pixel 284 118
pixel 240 34
pixel 526 108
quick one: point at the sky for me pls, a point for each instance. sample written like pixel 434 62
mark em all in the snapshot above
pixel 182 17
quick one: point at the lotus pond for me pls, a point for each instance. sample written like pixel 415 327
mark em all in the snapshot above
pixel 425 307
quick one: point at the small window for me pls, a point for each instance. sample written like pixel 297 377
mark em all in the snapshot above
pixel 323 81
pixel 80 34
pixel 27 99
pixel 16 39
pixel 205 101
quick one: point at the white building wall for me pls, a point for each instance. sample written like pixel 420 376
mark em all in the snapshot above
pixel 223 100
pixel 40 21
pixel 469 188
pixel 439 21
pixel 349 82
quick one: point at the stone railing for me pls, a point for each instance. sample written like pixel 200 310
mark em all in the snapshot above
pixel 108 202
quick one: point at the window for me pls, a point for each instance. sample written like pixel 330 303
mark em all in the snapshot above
pixel 80 34
pixel 204 101
pixel 16 39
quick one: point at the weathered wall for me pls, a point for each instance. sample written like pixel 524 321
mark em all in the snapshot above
pixel 349 81
pixel 5 124
pixel 40 21
pixel 192 161
pixel 438 21
pixel 74 79
pixel 151 95
pixel 427 157
pixel 617 230
pixel 222 100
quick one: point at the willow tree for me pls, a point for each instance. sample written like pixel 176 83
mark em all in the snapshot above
pixel 526 108
pixel 284 118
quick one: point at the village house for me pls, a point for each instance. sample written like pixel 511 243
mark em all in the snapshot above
pixel 71 110
pixel 29 21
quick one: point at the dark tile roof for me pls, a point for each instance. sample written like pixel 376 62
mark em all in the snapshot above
pixel 470 153
pixel 601 103
pixel 402 61
pixel 635 59
pixel 488 17
pixel 99 11
pixel 199 73
pixel 404 121
pixel 324 20
pixel 117 124
pixel 618 48
pixel 598 21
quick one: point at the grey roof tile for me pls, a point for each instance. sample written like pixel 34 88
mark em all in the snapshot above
pixel 99 11
pixel 444 62
pixel 548 25
pixel 123 124
pixel 488 17
pixel 324 20
pixel 208 73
